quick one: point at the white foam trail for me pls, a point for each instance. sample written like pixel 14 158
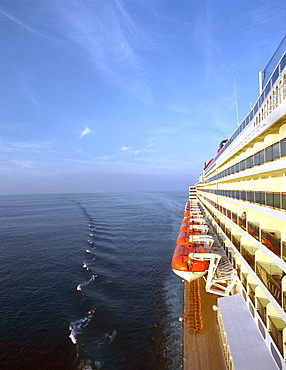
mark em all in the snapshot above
pixel 93 276
pixel 91 311
pixel 72 337
pixel 112 336
pixel 77 326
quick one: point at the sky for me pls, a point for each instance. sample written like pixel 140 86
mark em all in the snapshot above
pixel 125 95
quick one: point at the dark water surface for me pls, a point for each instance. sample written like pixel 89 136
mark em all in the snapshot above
pixel 86 281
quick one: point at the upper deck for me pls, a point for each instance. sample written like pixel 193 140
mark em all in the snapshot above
pixel 269 107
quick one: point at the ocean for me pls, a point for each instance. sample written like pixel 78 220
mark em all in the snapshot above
pixel 86 281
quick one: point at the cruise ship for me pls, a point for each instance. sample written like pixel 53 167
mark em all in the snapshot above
pixel 241 196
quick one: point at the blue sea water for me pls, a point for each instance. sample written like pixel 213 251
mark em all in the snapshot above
pixel 86 281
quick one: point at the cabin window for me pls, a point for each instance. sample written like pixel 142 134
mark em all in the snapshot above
pixel 276 200
pixel 275 151
pixel 283 147
pixel 270 199
pixel 268 154
pixel 250 196
pixel 283 195
pixel 259 158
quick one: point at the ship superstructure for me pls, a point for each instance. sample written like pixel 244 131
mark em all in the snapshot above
pixel 242 194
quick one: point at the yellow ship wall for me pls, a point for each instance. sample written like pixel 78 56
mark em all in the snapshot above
pixel 247 208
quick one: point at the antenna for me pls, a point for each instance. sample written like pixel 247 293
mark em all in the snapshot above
pixel 236 107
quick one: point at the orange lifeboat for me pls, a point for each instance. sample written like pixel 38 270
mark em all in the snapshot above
pixel 184 263
pixel 183 238
pixel 189 259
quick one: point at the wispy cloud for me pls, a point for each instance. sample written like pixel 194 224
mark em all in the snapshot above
pixel 85 132
pixel 21 23
pixel 130 150
pixel 110 37
pixel 103 158
pixel 12 146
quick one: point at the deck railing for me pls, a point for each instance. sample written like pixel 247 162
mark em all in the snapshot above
pixel 261 310
pixel 248 257
pixel 276 335
pixel 271 242
pixel 273 283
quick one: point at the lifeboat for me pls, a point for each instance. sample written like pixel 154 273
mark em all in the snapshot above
pixel 183 238
pixel 188 260
pixel 185 266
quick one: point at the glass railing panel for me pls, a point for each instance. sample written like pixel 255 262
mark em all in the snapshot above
pixel 273 283
pixel 249 162
pixel 228 233
pixel 242 222
pixel 262 197
pixel 261 310
pixel 244 280
pixel 276 200
pixel 258 158
pixel 253 230
pixel 268 154
pixel 276 335
pixel 236 242
pixel 242 165
pixel 283 199
pixel 270 199
pixel 284 250
pixel 234 217
pixel 275 151
pixel 271 242
pixel 251 293
pixel 283 148
pixel 248 257
pixel 250 196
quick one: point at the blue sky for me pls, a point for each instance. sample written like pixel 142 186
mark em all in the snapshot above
pixel 125 95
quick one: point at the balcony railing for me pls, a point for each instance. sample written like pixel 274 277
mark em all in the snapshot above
pixel 242 222
pixel 251 293
pixel 271 242
pixel 253 230
pixel 248 257
pixel 261 310
pixel 270 199
pixel 276 335
pixel 272 282
pixel 236 241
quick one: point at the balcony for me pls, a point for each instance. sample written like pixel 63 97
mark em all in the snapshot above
pixel 242 222
pixel 271 242
pixel 250 259
pixel 272 282
pixel 253 230
pixel 276 327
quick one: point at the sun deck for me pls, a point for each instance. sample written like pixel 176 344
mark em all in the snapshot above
pixel 248 349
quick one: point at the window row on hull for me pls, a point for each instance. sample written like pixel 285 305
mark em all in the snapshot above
pixel 265 198
pixel 269 154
